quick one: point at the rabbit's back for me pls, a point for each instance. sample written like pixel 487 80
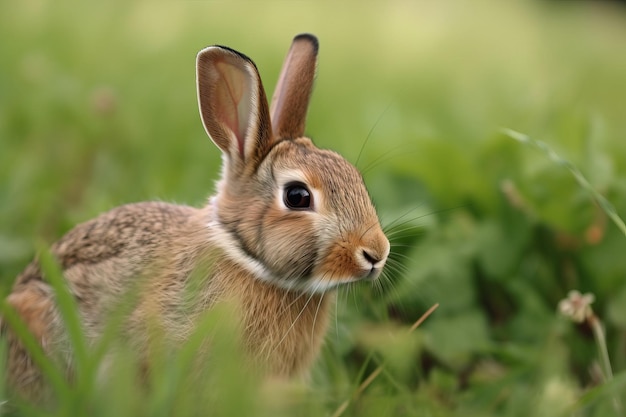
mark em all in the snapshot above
pixel 114 247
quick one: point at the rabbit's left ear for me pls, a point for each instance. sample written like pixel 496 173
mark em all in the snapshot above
pixel 290 101
pixel 233 106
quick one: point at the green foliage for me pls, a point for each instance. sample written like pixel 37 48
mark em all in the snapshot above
pixel 98 108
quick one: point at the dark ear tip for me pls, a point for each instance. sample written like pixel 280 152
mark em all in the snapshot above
pixel 310 38
pixel 202 53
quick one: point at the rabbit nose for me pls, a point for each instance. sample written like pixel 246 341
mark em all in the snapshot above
pixel 373 252
pixel 371 257
pixel 375 258
pixel 373 263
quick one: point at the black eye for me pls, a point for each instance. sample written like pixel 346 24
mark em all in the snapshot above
pixel 297 196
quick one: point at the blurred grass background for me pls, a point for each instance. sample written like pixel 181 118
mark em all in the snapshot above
pixel 98 108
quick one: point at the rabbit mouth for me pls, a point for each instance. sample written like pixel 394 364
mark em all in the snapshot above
pixel 372 274
pixel 323 284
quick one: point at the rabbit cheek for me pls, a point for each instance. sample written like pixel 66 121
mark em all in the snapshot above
pixel 290 246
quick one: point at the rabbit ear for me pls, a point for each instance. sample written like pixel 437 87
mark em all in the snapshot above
pixel 233 105
pixel 293 91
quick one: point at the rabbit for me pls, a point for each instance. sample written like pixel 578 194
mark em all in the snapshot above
pixel 288 224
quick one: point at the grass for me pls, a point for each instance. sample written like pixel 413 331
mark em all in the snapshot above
pixel 98 108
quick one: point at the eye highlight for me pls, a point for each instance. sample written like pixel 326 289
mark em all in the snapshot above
pixel 297 196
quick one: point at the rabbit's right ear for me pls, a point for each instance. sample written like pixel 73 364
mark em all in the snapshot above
pixel 233 106
pixel 290 101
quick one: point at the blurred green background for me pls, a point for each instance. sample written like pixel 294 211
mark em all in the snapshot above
pixel 98 108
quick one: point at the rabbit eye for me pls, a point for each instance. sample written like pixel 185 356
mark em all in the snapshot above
pixel 297 196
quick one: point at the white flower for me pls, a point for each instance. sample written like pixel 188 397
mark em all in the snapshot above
pixel 577 306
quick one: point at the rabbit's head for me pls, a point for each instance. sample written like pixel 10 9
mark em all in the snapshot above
pixel 294 215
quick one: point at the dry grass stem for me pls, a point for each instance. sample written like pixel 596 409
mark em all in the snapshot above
pixel 378 370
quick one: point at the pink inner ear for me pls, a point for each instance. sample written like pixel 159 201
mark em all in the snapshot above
pixel 233 104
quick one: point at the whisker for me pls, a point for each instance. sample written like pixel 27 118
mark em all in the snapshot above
pixel 404 227
pixel 385 158
pixel 295 300
pixel 378 285
pixel 399 269
pixel 368 229
pixel 408 223
pixel 337 318
pixel 400 236
pixel 399 255
pixel 317 310
pixel 397 239
pixel 387 287
pixel 297 317
pixel 390 225
pixel 369 134
pixel 394 224
pixel 354 300
pixel 401 246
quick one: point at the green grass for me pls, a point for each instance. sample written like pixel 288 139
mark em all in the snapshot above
pixel 98 108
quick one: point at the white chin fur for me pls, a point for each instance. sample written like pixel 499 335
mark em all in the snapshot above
pixel 321 285
pixel 225 241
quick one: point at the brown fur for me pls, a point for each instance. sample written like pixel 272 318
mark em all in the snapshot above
pixel 35 306
pixel 276 263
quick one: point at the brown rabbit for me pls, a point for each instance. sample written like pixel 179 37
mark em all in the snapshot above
pixel 289 223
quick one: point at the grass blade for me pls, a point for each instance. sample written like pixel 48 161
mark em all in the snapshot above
pixel 604 204
pixel 68 309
